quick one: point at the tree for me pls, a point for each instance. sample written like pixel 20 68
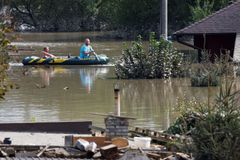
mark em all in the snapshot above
pixel 54 15
pixel 202 9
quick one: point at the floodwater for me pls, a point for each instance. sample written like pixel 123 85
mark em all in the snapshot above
pixel 71 93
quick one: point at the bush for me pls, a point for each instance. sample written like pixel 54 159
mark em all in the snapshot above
pixel 161 60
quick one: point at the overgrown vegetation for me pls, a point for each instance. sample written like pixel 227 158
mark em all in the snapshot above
pixel 213 127
pixel 159 60
pixel 208 73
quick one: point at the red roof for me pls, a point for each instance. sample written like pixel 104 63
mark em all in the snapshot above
pixel 226 20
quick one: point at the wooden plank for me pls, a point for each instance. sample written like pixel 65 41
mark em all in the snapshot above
pixel 49 127
pixel 102 114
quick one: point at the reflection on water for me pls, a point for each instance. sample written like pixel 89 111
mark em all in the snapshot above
pixel 87 76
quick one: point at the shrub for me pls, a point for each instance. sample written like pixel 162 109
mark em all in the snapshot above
pixel 216 135
pixel 160 60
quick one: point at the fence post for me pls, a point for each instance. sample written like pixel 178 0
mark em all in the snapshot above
pixel 117 100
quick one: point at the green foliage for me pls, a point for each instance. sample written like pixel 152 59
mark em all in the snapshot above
pixel 205 75
pixel 203 8
pixel 5 41
pixel 214 128
pixel 216 135
pixel 161 60
pixel 131 17
pixel 188 115
pixel 55 15
pixel 208 73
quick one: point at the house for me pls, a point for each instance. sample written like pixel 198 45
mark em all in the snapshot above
pixel 217 33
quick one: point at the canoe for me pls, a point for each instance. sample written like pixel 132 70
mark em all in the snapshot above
pixel 34 60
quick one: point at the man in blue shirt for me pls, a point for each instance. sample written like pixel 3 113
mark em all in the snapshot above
pixel 86 50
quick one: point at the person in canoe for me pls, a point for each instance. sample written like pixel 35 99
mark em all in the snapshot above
pixel 86 50
pixel 46 53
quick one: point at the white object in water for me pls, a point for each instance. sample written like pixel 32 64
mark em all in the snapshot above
pixel 15 64
pixel 142 142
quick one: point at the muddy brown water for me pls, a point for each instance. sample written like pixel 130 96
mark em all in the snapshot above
pixel 70 93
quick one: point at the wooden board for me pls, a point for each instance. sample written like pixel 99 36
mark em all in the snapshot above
pixel 81 127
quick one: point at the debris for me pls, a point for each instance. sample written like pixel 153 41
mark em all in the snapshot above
pixel 172 157
pixel 41 152
pixel 81 144
pixel 40 86
pixel 109 151
pixel 178 156
pixel 158 137
pixel 183 156
pixel 134 155
pixel 91 147
pixel 2 153
pixel 154 155
pixel 97 155
pixel 143 142
pixel 66 88
pixel 84 145
pixel 100 141
pixel 7 140
pixel 10 151
pixel 60 152
pixel 120 142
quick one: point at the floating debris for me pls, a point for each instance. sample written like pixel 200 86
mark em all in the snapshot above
pixel 66 88
pixel 40 86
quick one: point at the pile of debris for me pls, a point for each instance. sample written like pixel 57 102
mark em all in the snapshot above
pixel 95 148
pixel 114 142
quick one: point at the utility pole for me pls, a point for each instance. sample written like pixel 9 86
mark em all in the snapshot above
pixel 164 19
